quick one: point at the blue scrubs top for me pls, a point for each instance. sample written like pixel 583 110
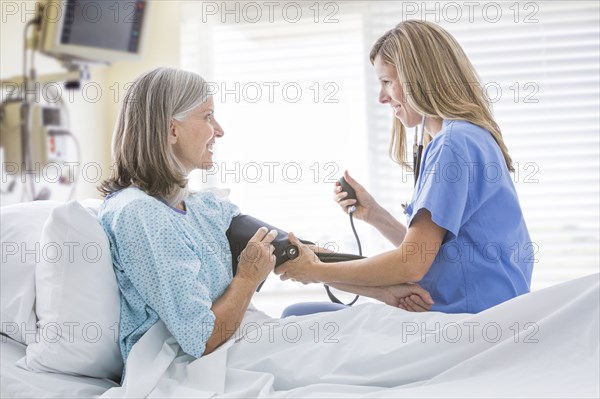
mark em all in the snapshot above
pixel 170 264
pixel 487 255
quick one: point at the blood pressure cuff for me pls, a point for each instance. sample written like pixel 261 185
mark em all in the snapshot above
pixel 243 228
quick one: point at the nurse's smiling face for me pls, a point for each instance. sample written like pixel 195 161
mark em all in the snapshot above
pixel 391 92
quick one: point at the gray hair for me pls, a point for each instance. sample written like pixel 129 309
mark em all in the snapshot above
pixel 142 155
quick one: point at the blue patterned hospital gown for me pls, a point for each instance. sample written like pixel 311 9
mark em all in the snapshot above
pixel 170 264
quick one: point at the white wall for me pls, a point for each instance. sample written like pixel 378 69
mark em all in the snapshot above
pixel 91 122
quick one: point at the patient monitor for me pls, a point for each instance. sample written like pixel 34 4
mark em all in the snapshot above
pixel 92 31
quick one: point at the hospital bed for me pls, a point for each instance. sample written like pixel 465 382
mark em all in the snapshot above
pixel 59 315
pixel 19 383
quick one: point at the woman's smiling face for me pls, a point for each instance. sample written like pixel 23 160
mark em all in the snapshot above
pixel 193 138
pixel 391 92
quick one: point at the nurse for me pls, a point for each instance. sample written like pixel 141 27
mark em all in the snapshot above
pixel 465 239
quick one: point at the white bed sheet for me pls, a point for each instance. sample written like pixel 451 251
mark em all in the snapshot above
pixel 548 347
pixel 369 359
pixel 18 383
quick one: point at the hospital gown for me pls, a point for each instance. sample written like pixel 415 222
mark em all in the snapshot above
pixel 170 264
pixel 487 255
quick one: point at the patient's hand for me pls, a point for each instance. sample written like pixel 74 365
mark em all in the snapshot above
pixel 257 259
pixel 407 296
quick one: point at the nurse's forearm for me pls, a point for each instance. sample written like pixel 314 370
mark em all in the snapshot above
pixel 362 290
pixel 405 264
pixel 320 250
pixel 229 310
pixel 389 227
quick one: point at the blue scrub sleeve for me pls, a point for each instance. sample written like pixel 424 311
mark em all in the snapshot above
pixel 444 189
pixel 159 261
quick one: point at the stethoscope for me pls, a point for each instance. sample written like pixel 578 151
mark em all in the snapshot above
pixel 418 149
pixel 417 154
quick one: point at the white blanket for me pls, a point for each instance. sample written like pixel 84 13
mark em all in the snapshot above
pixel 543 344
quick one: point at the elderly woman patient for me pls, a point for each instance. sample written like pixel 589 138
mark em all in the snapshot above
pixel 168 246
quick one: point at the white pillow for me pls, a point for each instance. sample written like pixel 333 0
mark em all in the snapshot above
pixel 21 227
pixel 77 298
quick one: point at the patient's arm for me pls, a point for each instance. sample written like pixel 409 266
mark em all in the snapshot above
pixel 257 261
pixel 229 310
pixel 408 296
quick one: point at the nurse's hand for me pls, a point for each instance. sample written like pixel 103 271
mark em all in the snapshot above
pixel 303 268
pixel 366 206
pixel 407 296
pixel 257 259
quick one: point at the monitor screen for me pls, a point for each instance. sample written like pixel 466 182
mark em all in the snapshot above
pixel 94 30
pixel 109 25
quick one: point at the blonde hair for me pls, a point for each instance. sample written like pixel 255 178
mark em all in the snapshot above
pixel 437 78
pixel 142 155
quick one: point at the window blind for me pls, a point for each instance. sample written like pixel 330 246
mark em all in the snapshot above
pixel 290 95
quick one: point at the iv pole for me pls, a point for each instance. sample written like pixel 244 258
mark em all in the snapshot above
pixel 29 83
